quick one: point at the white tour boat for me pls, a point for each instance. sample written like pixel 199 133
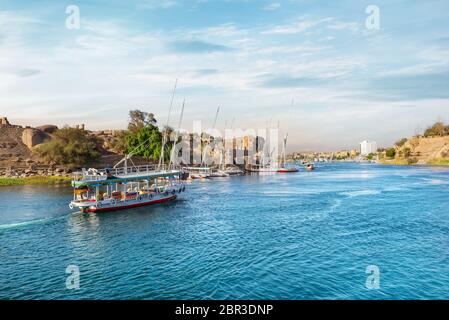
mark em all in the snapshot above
pixel 123 188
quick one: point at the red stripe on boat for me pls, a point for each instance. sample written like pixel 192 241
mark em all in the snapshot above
pixel 132 205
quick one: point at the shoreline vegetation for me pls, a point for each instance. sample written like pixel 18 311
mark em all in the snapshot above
pixel 403 162
pixel 20 181
pixel 54 159
pixel 439 162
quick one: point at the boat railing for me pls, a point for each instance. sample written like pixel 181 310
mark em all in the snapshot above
pixel 102 174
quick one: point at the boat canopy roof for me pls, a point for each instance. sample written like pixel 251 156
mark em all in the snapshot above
pixel 98 178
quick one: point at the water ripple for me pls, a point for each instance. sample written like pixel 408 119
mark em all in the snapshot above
pixel 300 236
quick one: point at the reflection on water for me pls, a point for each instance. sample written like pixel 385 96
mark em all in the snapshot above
pixel 308 235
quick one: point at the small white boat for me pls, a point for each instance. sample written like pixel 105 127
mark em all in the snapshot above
pixel 234 171
pixel 198 172
pixel 218 174
pixel 309 166
pixel 261 168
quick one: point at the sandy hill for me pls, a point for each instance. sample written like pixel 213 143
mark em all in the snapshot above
pixel 425 150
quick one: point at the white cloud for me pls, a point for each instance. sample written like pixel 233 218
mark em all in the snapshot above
pixel 159 4
pixel 299 26
pixel 97 74
pixel 272 6
pixel 352 26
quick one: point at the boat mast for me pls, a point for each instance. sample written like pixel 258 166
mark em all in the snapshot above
pixel 223 149
pixel 164 136
pixel 284 147
pixel 172 155
pixel 213 128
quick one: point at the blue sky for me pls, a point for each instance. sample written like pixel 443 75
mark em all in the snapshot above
pixel 251 57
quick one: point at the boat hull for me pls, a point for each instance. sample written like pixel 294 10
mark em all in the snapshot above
pixel 131 204
pixel 285 170
pixel 263 170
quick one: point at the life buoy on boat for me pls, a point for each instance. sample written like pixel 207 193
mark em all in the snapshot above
pixel 98 204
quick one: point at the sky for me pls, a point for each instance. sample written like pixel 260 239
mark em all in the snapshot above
pixel 315 67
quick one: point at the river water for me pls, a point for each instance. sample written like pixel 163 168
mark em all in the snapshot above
pixel 306 235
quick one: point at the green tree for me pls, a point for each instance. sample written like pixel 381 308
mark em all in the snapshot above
pixel 145 142
pixel 391 152
pixel 139 119
pixel 71 146
pixel 401 142
pixel 437 130
pixel 407 153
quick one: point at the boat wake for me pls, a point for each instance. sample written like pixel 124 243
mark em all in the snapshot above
pixel 319 216
pixel 436 181
pixel 360 193
pixel 336 204
pixel 24 224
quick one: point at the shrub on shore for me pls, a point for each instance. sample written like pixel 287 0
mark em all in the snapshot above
pixel 70 146
pixel 437 130
pixel 412 161
pixel 401 142
pixel 390 153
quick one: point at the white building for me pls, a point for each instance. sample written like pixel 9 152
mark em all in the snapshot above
pixel 367 147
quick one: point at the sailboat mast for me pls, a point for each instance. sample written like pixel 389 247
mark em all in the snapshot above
pixel 172 155
pixel 164 136
pixel 284 150
pixel 213 127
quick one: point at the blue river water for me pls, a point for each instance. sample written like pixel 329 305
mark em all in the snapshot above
pixel 306 235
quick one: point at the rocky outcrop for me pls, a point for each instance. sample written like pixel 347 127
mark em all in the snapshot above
pixel 4 121
pixel 12 149
pixel 16 144
pixel 33 137
pixel 48 128
pixel 422 150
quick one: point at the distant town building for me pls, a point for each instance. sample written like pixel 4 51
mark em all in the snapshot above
pixel 367 147
pixel 354 153
pixel 342 154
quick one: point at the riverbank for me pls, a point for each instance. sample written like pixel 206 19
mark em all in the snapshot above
pixel 17 181
pixel 403 162
pixel 439 162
